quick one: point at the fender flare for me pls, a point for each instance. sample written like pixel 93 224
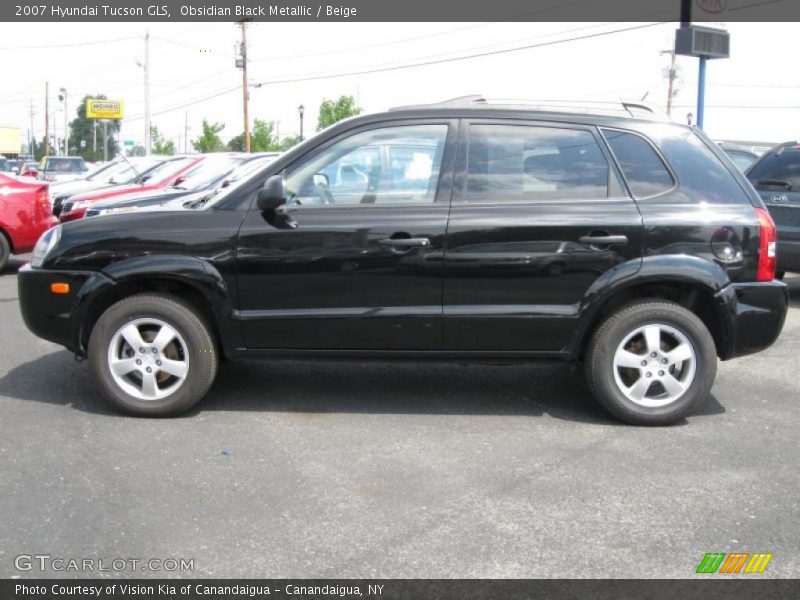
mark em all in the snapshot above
pixel 684 269
pixel 187 270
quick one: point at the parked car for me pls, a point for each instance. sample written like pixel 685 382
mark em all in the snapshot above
pixel 211 174
pixel 24 215
pixel 62 168
pixel 776 177
pixel 120 172
pixel 4 165
pixel 28 169
pixel 170 172
pixel 281 265
pixel 13 165
pixel 741 157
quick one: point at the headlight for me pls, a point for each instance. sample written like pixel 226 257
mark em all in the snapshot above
pixel 45 244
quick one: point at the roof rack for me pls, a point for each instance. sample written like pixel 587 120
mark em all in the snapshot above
pixel 628 108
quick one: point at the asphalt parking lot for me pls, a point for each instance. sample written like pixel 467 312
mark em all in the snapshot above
pixel 294 469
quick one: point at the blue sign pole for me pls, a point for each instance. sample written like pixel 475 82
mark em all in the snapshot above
pixel 701 91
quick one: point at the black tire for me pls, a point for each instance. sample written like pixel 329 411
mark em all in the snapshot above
pixel 5 252
pixel 600 368
pixel 202 353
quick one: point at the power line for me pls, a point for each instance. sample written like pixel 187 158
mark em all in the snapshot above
pixel 458 58
pixel 71 45
pixel 398 67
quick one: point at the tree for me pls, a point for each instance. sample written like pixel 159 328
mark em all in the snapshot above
pixel 236 143
pixel 331 111
pixel 209 141
pixel 137 150
pixel 262 138
pixel 288 142
pixel 160 145
pixel 82 130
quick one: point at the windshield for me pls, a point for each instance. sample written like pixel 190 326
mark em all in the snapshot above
pixel 209 172
pixel 239 176
pixel 778 167
pixel 125 172
pixel 168 169
pixel 64 164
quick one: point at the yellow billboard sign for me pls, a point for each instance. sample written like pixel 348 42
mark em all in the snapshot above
pixel 104 109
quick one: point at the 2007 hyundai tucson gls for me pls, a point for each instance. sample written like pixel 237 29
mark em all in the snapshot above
pixel 462 230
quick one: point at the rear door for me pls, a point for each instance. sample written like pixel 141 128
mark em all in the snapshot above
pixel 538 214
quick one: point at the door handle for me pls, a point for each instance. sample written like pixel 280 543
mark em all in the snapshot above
pixel 603 240
pixel 405 242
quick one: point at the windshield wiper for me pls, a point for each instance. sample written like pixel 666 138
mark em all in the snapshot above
pixel 775 183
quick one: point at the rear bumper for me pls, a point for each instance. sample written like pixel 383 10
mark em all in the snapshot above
pixel 57 317
pixel 753 315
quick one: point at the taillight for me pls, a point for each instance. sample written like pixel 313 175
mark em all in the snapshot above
pixel 767 248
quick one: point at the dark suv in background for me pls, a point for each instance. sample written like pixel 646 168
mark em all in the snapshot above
pixel 461 230
pixel 776 177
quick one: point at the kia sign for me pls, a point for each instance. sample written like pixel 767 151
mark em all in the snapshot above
pixel 104 109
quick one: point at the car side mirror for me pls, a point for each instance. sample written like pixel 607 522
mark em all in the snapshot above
pixel 272 194
pixel 179 180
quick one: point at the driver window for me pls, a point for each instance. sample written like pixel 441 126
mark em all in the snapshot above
pixel 393 165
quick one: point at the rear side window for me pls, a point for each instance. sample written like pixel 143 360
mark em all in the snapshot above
pixel 507 163
pixel 642 167
pixel 702 176
pixel 778 169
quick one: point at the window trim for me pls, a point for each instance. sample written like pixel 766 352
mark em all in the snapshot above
pixel 444 186
pixel 462 161
pixel 659 155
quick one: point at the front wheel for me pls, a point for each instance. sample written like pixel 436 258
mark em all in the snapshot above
pixel 651 363
pixel 152 355
pixel 5 252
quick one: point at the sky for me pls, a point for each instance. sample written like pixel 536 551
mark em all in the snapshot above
pixel 750 96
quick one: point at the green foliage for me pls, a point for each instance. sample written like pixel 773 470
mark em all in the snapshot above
pixel 262 138
pixel 333 111
pixel 81 129
pixel 236 143
pixel 160 145
pixel 209 141
pixel 137 150
pixel 288 142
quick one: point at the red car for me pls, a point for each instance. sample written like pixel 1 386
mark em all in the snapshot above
pixel 24 215
pixel 168 173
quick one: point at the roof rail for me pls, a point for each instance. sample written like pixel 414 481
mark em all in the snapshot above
pixel 631 108
pixel 460 102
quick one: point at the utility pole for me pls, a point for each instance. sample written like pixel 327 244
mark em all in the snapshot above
pixel 242 60
pixel 94 139
pixel 671 77
pixel 147 93
pixel 105 140
pixel 185 133
pixel 31 135
pixel 66 122
pixel 46 119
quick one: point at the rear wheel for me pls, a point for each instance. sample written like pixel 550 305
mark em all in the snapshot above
pixel 152 355
pixel 5 252
pixel 651 363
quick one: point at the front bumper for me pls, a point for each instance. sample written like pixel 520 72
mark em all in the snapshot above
pixel 753 316
pixel 57 317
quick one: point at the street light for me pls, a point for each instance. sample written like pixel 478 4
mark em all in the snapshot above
pixel 301 109
pixel 63 97
pixel 689 118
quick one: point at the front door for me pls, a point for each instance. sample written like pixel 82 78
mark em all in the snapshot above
pixel 343 264
pixel 539 216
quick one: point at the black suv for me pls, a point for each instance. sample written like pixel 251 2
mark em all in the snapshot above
pixel 461 230
pixel 776 177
